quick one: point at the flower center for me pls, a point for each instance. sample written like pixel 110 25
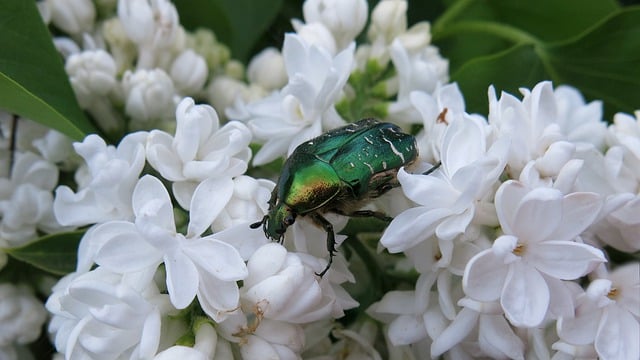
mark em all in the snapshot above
pixel 613 293
pixel 519 249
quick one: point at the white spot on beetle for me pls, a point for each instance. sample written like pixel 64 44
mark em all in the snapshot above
pixel 370 167
pixel 393 148
pixel 384 165
pixel 368 140
pixel 352 164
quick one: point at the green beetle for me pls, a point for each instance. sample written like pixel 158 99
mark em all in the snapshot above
pixel 338 172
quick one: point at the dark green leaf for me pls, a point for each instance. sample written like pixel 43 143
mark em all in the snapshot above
pixel 56 253
pixel 545 21
pixel 237 23
pixel 604 63
pixel 33 82
pixel 500 70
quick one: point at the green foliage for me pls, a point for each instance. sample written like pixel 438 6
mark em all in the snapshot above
pixel 33 82
pixel 237 23
pixel 513 44
pixel 56 254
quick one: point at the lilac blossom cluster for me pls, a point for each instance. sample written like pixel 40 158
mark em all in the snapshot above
pixel 507 240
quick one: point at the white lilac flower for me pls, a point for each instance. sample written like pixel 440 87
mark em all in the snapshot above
pixel 54 147
pixel 437 110
pixel 189 72
pixel 484 323
pixel 100 314
pixel 625 132
pixel 406 312
pixel 267 69
pixel 525 267
pixel 273 340
pixel 224 91
pixel 200 150
pixel 149 97
pixel 105 181
pixel 122 49
pixel 208 345
pixel 195 266
pixel 152 25
pixel 534 124
pixel 92 74
pixel 450 198
pixel 581 123
pixel 284 288
pixel 248 203
pixel 316 34
pixel 345 19
pixel 421 71
pixel 388 20
pixel 606 323
pixel 305 106
pixel 21 317
pixel 26 201
pixel 72 16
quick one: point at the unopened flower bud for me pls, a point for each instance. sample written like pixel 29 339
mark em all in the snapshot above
pixel 345 19
pixel 267 69
pixel 388 20
pixel 149 24
pixel 417 37
pixel 149 94
pixel 189 72
pixel 91 73
pixel 73 16
pixel 316 34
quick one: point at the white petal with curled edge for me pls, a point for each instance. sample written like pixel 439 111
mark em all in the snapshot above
pixel 209 199
pixel 411 227
pixel 182 279
pixel 618 335
pixel 484 276
pixel 217 258
pixel 151 201
pixel 525 296
pixel 407 329
pixel 565 260
pixel 538 215
pixel 218 298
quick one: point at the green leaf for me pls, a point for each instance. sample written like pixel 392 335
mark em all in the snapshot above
pixel 499 70
pixel 33 82
pixel 603 63
pixel 55 253
pixel 237 23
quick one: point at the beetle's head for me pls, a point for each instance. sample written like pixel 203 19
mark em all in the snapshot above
pixel 276 222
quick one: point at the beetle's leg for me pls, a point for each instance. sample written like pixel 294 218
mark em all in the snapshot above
pixel 433 168
pixel 331 239
pixel 365 213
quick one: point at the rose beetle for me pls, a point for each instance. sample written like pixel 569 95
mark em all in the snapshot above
pixel 338 172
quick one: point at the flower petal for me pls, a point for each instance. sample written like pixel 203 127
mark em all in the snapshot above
pixel 182 279
pixel 525 297
pixel 579 210
pixel 209 199
pixel 484 276
pixel 618 335
pixel 538 215
pixel 217 258
pixel 406 329
pixel 411 227
pixel 564 260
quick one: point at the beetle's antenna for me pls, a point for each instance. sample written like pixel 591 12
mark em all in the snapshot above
pixel 256 225
pixel 433 168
